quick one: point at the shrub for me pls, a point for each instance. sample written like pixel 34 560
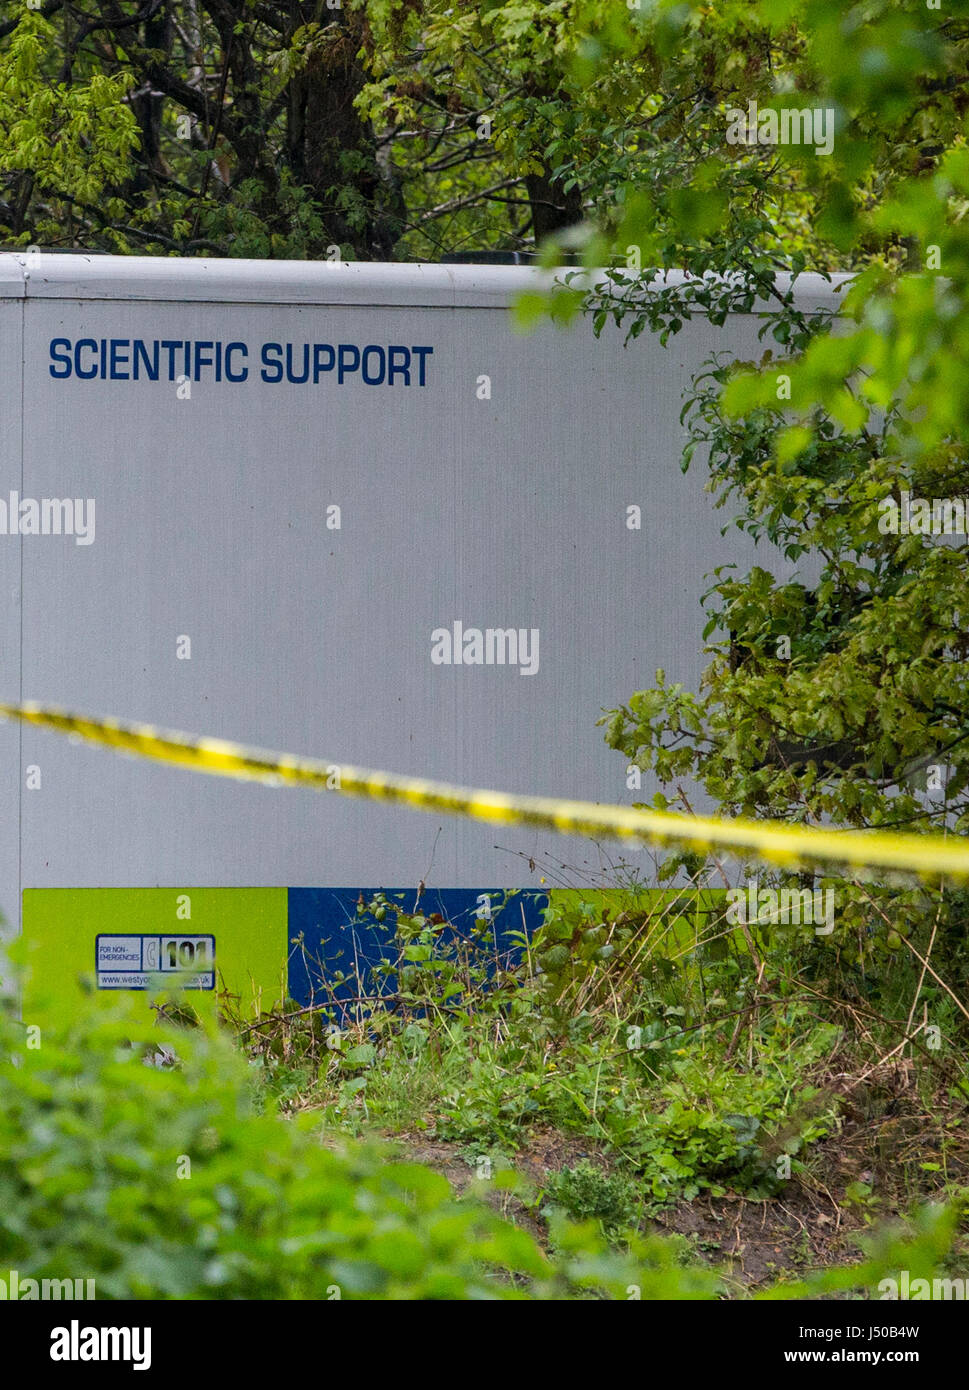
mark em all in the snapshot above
pixel 162 1181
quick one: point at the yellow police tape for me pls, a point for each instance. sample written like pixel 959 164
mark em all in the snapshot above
pixel 773 841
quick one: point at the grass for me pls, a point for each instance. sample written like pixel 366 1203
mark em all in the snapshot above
pixel 766 1100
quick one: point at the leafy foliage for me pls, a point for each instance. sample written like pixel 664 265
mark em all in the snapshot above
pixel 173 1183
pixel 840 693
pixel 594 1042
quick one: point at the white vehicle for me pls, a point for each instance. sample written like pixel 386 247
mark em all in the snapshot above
pixel 342 510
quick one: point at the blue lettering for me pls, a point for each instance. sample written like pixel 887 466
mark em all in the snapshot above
pixel 170 344
pixel 422 352
pixel 290 374
pixel 230 349
pixel 347 361
pixel 203 359
pixel 92 345
pixel 393 368
pixel 372 380
pixel 136 359
pixel 118 360
pixel 64 358
pixel 268 363
pixel 150 363
pixel 318 350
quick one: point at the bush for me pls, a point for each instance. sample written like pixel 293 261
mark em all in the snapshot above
pixel 587 1193
pixel 163 1181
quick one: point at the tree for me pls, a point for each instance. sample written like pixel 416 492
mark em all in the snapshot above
pixel 309 128
pixel 846 698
